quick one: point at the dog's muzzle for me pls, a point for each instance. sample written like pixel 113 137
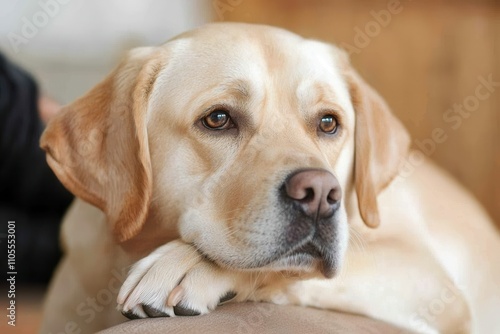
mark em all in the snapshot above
pixel 311 198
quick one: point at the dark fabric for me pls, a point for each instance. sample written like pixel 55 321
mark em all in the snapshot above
pixel 30 193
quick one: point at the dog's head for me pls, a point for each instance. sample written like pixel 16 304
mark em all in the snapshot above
pixel 251 141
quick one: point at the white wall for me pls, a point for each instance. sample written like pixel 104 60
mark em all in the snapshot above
pixel 69 45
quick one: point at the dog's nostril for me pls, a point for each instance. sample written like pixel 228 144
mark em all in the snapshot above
pixel 334 196
pixel 309 196
pixel 300 194
pixel 330 199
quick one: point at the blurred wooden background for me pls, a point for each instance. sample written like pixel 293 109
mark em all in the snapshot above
pixel 423 57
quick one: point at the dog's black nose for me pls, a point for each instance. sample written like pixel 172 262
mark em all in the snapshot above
pixel 316 191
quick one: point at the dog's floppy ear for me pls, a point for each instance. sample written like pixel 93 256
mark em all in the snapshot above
pixel 98 145
pixel 381 144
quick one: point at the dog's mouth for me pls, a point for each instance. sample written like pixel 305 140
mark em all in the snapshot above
pixel 307 257
pixel 308 249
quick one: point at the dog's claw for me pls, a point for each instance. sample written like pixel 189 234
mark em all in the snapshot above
pixel 227 297
pixel 184 311
pixel 131 315
pixel 154 313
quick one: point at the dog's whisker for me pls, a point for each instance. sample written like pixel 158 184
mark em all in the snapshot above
pixel 357 239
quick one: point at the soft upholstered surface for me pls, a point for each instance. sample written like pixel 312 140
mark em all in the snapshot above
pixel 259 318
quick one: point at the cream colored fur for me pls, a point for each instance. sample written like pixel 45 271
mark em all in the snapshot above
pixel 192 213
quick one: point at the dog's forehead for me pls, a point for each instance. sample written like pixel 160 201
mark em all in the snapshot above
pixel 254 56
pixel 236 49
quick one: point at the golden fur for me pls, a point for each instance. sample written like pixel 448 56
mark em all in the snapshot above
pixel 195 209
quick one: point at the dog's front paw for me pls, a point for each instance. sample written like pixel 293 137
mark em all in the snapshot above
pixel 175 280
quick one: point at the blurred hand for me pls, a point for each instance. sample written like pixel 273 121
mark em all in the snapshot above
pixel 47 108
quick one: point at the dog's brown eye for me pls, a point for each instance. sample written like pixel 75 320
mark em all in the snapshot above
pixel 328 124
pixel 217 120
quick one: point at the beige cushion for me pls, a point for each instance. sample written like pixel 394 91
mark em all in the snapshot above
pixel 246 318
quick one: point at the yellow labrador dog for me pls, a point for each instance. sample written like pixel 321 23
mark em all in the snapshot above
pixel 243 162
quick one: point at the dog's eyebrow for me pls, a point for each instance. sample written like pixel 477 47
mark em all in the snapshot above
pixel 323 94
pixel 318 94
pixel 239 88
